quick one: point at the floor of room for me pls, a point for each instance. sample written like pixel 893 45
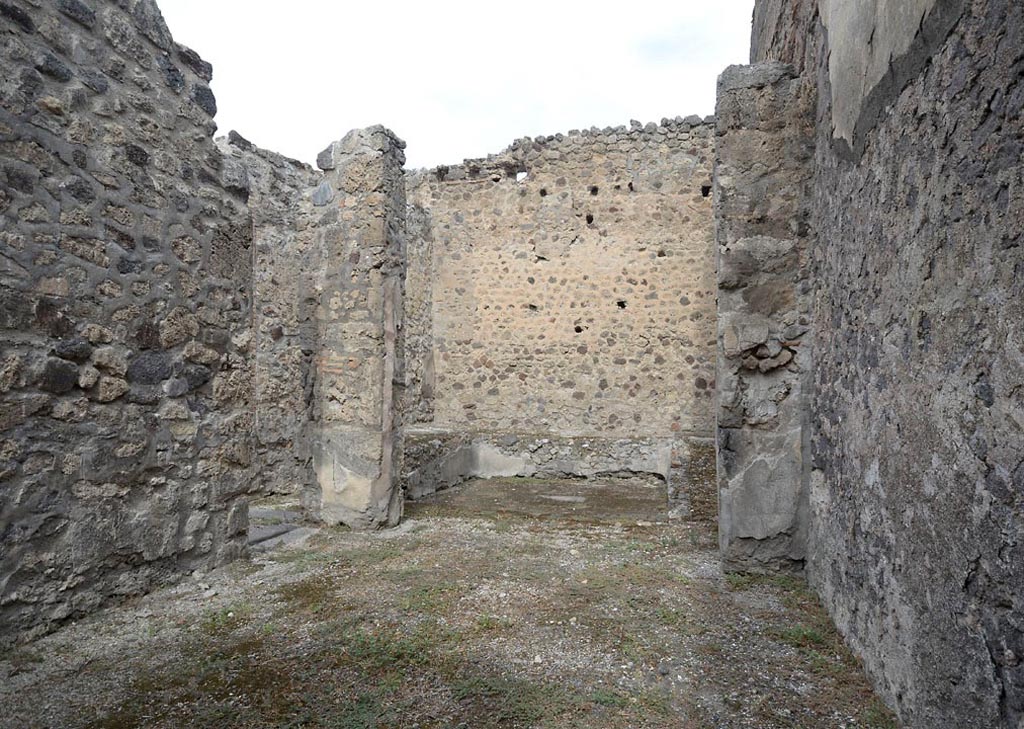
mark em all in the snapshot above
pixel 501 603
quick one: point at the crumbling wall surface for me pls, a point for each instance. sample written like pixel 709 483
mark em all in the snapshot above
pixel 360 359
pixel 125 279
pixel 572 289
pixel 763 159
pixel 917 532
pixel 784 31
pixel 286 198
pixel 418 392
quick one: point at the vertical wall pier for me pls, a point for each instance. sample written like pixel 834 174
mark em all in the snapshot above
pixel 356 427
pixel 762 168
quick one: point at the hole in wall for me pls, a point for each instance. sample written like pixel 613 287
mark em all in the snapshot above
pixel 578 329
pixel 631 188
pixel 543 192
pixel 705 190
pixel 531 307
pixel 521 176
pixel 621 303
pixel 590 219
pixel 593 189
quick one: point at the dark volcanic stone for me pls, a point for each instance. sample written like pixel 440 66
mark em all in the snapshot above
pixel 80 190
pixel 50 318
pixel 78 11
pixel 145 394
pixel 137 155
pixel 172 75
pixel 150 368
pixel 53 68
pixel 17 16
pixel 191 59
pixel 20 180
pixel 196 375
pixel 205 100
pixel 31 83
pixel 129 265
pixel 95 81
pixel 147 336
pixel 76 350
pixel 58 376
pixel 237 140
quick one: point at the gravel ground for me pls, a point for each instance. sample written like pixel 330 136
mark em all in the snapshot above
pixel 470 614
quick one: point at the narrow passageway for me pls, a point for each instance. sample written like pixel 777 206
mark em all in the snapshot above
pixel 501 603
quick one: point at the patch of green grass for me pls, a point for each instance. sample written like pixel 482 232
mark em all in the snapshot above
pixel 378 652
pixel 507 701
pixel 821 650
pixel 640 546
pixel 680 621
pixel 651 576
pixel 606 697
pixel 879 716
pixel 655 701
pixel 430 599
pixel 315 594
pixel 738 581
pixel 492 622
pixel 671 618
pixel 803 636
pixel 244 568
pixel 405 573
pixel 367 711
pixel 221 621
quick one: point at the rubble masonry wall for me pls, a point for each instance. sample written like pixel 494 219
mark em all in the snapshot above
pixel 125 280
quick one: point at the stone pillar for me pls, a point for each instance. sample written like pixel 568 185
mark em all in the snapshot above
pixel 763 166
pixel 355 430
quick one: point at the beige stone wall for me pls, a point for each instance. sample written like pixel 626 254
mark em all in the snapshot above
pixel 570 287
pixel 355 431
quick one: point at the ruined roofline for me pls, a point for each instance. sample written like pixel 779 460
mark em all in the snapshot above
pixel 511 156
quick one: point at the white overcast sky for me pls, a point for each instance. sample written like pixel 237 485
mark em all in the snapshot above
pixel 456 79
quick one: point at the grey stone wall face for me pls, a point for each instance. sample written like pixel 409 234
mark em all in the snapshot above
pixel 916 524
pixel 286 199
pixel 125 279
pixel 763 155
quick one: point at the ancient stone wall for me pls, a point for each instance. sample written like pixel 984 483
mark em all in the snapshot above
pixel 125 278
pixel 286 198
pixel 916 539
pixel 562 311
pixel 763 155
pixel 356 434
